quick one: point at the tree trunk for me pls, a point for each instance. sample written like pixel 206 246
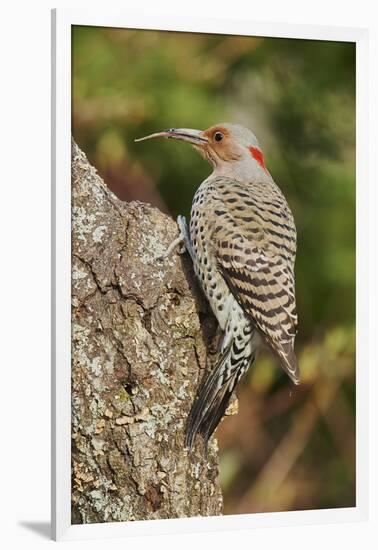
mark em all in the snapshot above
pixel 138 353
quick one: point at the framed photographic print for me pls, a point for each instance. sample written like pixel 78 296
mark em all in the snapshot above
pixel 209 353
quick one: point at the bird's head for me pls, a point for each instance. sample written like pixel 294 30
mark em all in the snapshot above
pixel 231 149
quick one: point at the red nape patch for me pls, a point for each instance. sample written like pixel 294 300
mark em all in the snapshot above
pixel 257 155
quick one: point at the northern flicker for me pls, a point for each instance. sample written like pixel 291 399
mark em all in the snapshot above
pixel 242 241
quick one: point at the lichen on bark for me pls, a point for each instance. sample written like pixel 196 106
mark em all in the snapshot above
pixel 138 353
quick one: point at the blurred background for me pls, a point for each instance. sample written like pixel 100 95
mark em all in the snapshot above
pixel 287 449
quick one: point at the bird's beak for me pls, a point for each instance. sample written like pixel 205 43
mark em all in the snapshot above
pixel 195 137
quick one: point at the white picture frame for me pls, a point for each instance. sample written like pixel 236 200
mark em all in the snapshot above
pixel 62 21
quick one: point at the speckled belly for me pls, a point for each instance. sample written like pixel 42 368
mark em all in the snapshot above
pixel 205 267
pixel 231 318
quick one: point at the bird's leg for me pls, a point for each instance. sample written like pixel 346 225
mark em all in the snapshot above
pixel 183 239
pixel 178 241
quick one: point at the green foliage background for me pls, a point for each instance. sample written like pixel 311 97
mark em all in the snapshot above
pixel 285 449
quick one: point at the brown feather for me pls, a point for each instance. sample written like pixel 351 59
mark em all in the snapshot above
pixel 255 250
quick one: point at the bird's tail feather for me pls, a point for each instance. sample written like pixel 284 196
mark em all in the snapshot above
pixel 214 394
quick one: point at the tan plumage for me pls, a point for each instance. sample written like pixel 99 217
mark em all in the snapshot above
pixel 255 248
pixel 243 243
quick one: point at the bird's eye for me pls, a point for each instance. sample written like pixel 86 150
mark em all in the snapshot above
pixel 218 136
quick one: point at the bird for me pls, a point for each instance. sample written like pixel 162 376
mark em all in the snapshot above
pixel 242 241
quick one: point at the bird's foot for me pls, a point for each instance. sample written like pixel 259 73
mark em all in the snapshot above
pixel 179 241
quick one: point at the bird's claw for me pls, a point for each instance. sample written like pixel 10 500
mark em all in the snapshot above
pixel 180 240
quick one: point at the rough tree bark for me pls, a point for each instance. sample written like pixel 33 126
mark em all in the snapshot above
pixel 138 353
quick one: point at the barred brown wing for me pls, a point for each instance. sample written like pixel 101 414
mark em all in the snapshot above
pixel 255 247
